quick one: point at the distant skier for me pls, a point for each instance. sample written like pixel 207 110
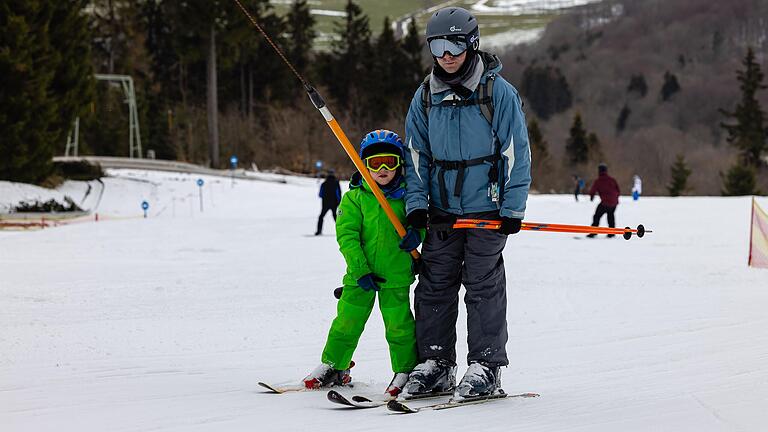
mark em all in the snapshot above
pixel 578 182
pixel 637 187
pixel 375 265
pixel 330 193
pixel 608 189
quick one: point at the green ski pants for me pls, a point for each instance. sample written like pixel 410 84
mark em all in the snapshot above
pixel 353 310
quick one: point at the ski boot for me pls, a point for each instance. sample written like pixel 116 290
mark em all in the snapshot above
pixel 480 380
pixel 326 376
pixel 395 386
pixel 435 375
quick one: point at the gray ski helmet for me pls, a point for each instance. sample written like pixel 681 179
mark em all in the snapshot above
pixel 454 21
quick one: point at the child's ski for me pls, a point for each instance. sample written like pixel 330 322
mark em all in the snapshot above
pixel 283 389
pixel 364 402
pixel 399 406
pixel 293 388
pixel 356 402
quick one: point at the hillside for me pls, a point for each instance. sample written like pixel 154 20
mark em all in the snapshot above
pixel 599 48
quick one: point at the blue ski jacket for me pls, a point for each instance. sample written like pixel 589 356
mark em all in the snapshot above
pixel 457 133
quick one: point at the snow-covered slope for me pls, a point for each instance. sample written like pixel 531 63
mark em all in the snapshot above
pixel 168 323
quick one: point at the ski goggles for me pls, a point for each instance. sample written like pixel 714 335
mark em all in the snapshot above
pixel 387 161
pixel 453 46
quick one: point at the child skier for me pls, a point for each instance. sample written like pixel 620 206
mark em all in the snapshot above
pixel 377 262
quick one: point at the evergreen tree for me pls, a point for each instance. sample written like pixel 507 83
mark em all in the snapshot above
pixel 539 147
pixel 162 92
pixel 413 70
pixel 577 145
pixel 547 90
pixel 385 86
pixel 207 39
pixel 300 26
pixel 638 85
pixel 670 87
pixel 739 181
pixel 749 133
pixel 621 122
pixel 45 65
pixel 342 68
pixel 680 173
pixel 595 149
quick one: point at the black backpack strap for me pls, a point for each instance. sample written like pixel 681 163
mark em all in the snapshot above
pixel 426 96
pixel 486 98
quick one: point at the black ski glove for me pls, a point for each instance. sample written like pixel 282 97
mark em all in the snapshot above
pixel 370 282
pixel 442 224
pixel 510 225
pixel 417 218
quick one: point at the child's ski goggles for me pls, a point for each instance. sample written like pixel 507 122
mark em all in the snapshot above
pixel 439 46
pixel 387 161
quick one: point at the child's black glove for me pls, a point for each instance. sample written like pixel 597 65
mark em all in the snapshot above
pixel 417 218
pixel 510 225
pixel 370 282
pixel 411 240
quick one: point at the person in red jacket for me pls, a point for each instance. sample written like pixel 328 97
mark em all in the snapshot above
pixel 608 189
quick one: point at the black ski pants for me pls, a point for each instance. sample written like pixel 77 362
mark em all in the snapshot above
pixel 471 257
pixel 600 211
pixel 325 210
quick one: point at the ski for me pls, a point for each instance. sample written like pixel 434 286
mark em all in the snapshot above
pixel 400 407
pixel 358 401
pixel 283 389
pixel 410 398
pixel 362 403
pixel 293 388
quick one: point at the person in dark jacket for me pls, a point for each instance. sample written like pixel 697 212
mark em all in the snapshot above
pixel 608 189
pixel 330 193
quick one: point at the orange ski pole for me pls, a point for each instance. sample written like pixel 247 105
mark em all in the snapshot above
pixel 547 227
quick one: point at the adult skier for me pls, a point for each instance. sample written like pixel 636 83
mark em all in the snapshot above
pixel 608 189
pixel 468 155
pixel 330 194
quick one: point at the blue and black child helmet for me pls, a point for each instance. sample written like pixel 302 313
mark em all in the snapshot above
pixel 381 141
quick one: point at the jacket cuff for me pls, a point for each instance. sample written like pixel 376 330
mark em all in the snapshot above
pixel 512 214
pixel 415 204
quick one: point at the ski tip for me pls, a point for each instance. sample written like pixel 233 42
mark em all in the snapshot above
pixel 399 407
pixel 337 397
pixel 269 387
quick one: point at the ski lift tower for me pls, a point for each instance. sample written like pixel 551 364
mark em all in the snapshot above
pixel 134 133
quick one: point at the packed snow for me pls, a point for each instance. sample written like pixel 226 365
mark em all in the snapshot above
pixel 168 323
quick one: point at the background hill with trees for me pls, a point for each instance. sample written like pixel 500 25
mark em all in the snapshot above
pixel 648 81
pixel 663 89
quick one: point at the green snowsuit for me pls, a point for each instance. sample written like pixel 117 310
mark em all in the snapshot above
pixel 369 244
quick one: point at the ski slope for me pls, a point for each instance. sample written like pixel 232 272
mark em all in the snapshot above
pixel 167 323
